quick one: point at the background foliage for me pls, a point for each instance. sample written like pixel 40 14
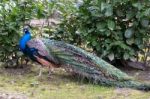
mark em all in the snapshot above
pixel 14 14
pixel 11 18
pixel 115 29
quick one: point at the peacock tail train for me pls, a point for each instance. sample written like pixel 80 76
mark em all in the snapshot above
pixel 76 60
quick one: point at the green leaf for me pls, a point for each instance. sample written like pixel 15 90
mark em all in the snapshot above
pixel 129 33
pixel 145 22
pixel 4 33
pixel 19 54
pixel 83 31
pixel 130 15
pixel 120 13
pixel 111 56
pixel 138 41
pixel 130 41
pixel 95 11
pixel 101 26
pixel 126 56
pixel 147 12
pixel 107 32
pixel 111 24
pixel 98 47
pixel 94 43
pixel 107 9
pixel 91 30
pixel 103 6
pixel 138 5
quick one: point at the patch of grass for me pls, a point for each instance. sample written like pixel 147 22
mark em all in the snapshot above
pixel 59 86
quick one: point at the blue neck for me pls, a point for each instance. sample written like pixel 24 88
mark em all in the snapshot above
pixel 25 38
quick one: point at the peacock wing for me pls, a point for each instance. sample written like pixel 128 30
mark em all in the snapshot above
pixel 42 50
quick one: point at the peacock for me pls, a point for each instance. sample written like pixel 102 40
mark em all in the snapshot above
pixel 54 54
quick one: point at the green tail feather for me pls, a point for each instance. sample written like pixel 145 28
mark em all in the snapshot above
pixel 125 84
pixel 91 66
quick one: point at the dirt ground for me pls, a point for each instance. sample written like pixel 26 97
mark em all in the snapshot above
pixel 23 83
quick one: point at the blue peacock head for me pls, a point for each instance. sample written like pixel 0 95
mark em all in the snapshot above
pixel 25 38
pixel 26 30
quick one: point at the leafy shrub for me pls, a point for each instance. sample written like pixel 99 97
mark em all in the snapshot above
pixel 115 29
pixel 13 15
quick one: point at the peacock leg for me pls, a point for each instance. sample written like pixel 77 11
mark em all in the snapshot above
pixel 50 71
pixel 40 73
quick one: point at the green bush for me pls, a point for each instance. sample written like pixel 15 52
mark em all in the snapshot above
pixel 115 29
pixel 13 15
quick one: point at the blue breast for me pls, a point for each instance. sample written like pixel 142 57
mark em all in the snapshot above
pixel 23 41
pixel 24 48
